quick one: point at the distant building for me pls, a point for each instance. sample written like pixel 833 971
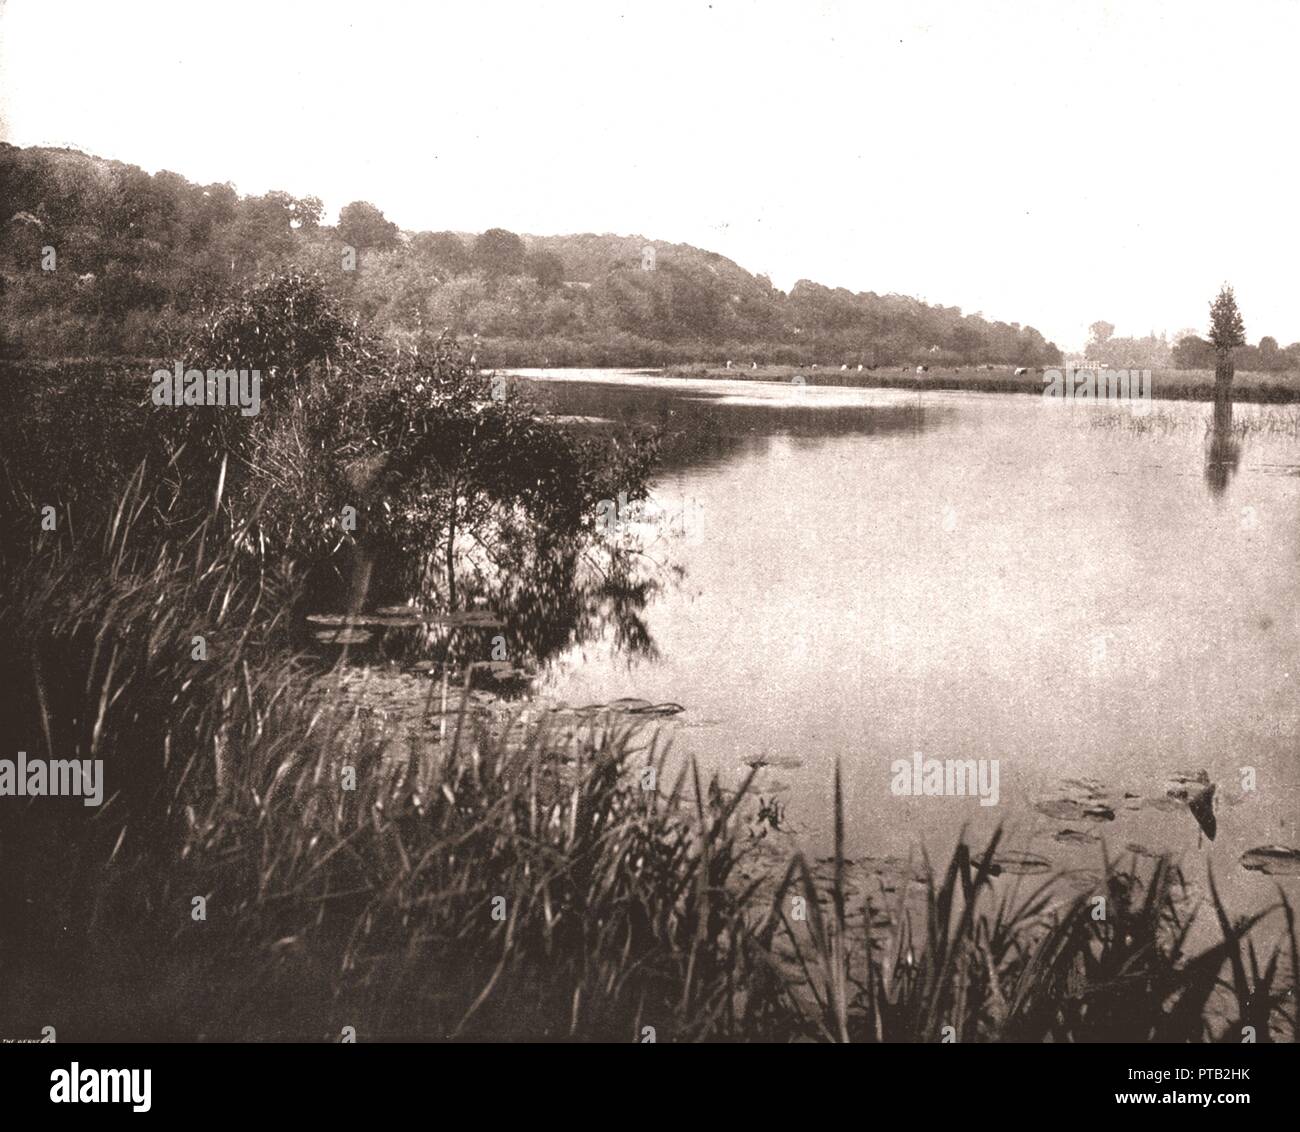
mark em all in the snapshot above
pixel 648 258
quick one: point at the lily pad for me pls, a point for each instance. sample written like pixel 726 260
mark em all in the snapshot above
pixel 1075 837
pixel 1068 809
pixel 1274 860
pixel 1014 863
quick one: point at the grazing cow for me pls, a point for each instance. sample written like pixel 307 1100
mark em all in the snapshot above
pixel 859 367
pixel 922 369
pixel 753 365
pixel 1021 370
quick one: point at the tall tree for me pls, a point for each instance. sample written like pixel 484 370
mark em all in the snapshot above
pixel 362 225
pixel 1192 352
pixel 546 267
pixel 1227 332
pixel 443 251
pixel 1270 357
pixel 306 212
pixel 1101 332
pixel 499 252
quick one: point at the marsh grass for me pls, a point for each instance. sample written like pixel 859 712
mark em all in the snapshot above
pixel 1108 964
pixel 507 881
pixel 1270 421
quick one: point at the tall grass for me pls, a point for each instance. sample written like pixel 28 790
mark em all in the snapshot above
pixel 509 884
pixel 1109 964
pixel 508 881
pixel 1263 422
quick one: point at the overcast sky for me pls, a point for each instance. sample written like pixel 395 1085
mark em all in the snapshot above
pixel 1048 163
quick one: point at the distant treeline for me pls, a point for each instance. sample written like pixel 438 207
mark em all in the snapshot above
pixel 1187 350
pixel 99 257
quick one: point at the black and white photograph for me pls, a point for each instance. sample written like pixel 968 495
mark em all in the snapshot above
pixel 745 522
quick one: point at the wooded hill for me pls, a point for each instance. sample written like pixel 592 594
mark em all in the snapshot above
pixel 137 257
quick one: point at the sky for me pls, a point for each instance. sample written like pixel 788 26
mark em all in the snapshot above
pixel 1049 163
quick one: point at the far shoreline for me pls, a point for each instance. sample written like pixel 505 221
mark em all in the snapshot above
pixel 1166 384
pixel 1249 387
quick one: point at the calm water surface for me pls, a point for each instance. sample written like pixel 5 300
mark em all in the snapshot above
pixel 873 573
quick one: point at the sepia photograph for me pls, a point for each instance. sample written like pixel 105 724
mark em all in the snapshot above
pixel 746 522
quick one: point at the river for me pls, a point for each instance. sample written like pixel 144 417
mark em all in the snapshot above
pixel 1100 600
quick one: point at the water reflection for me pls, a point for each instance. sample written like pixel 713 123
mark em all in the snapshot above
pixel 1223 452
pixel 977 576
pixel 565 598
pixel 969 576
pixel 550 598
pixel 703 427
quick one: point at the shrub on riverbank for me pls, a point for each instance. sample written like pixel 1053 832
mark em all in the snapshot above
pixel 493 890
pixel 416 461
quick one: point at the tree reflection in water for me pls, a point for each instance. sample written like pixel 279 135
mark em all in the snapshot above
pixel 542 597
pixel 545 595
pixel 1223 452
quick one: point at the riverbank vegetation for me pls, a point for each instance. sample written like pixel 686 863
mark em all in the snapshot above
pixel 98 258
pixel 274 861
pixel 271 862
pixel 516 885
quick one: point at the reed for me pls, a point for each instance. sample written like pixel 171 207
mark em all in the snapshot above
pixel 509 881
pixel 1106 964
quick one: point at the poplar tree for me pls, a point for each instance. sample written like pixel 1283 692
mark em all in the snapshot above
pixel 1227 332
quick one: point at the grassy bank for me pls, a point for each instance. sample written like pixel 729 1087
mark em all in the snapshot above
pixel 1166 384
